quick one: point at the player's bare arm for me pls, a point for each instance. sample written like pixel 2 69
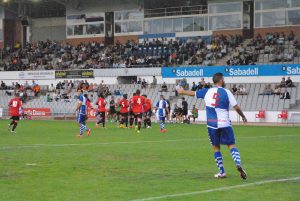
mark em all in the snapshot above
pixel 181 91
pixel 240 112
pixel 78 106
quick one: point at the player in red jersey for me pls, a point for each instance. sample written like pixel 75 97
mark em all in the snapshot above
pixel 124 104
pixel 14 110
pixel 138 102
pixel 131 115
pixel 100 115
pixel 147 112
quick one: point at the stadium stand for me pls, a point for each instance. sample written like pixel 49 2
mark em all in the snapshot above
pixel 252 102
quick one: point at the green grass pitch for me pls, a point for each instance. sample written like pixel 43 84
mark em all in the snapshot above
pixel 45 161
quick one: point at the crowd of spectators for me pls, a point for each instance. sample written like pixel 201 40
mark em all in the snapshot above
pixel 51 55
pixel 279 89
pixel 272 44
pixel 24 90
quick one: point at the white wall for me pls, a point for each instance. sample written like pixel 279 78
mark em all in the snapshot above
pixel 271 116
pixel 53 28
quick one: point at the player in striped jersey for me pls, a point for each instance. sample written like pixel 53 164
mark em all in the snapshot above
pixel 81 110
pixel 161 111
pixel 217 100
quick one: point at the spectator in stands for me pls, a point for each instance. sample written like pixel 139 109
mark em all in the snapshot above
pixel 3 86
pixel 277 90
pixel 51 88
pixel 117 92
pixel 144 84
pixel 285 94
pixel 199 86
pixel 26 85
pixel 164 87
pixel 154 82
pixel 289 82
pixel 49 99
pixel 289 57
pixel 36 89
pixel 139 81
pixel 203 83
pixel 194 87
pixel 291 36
pixel 267 90
pixel 282 83
pixel 234 89
pixel 242 90
pixel 208 85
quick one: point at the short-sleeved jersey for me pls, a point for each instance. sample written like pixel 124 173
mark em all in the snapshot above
pixel 138 104
pixel 14 107
pixel 217 100
pixel 147 105
pixel 162 106
pixel 83 107
pixel 101 105
pixel 124 104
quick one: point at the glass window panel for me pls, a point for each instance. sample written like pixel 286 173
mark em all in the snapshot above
pixel 225 22
pixel 70 30
pixel 225 8
pixel 95 29
pixel 147 26
pixel 117 27
pixel 177 25
pixel 168 25
pixel 135 26
pixel 269 19
pixel 295 3
pixel 128 15
pixel 200 23
pixel 267 4
pixel 78 29
pixel 122 27
pixel 157 26
pixel 188 24
pixel 293 17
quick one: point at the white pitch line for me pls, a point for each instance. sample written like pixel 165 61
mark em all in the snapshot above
pixel 3 147
pixel 218 189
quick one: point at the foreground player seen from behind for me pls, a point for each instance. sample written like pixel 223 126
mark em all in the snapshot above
pixel 138 102
pixel 14 110
pixel 81 108
pixel 217 100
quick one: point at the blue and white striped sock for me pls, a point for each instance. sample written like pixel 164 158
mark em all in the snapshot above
pixel 82 128
pixel 162 125
pixel 219 162
pixel 236 156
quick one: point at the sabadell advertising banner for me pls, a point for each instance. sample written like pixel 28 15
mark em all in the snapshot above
pixel 232 71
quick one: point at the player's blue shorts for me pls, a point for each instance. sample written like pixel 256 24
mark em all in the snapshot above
pixel 161 115
pixel 81 118
pixel 221 136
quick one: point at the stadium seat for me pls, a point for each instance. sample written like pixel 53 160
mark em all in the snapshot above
pixel 261 114
pixel 283 115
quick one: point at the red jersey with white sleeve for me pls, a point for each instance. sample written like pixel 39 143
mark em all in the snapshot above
pixel 124 103
pixel 14 107
pixel 101 105
pixel 138 104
